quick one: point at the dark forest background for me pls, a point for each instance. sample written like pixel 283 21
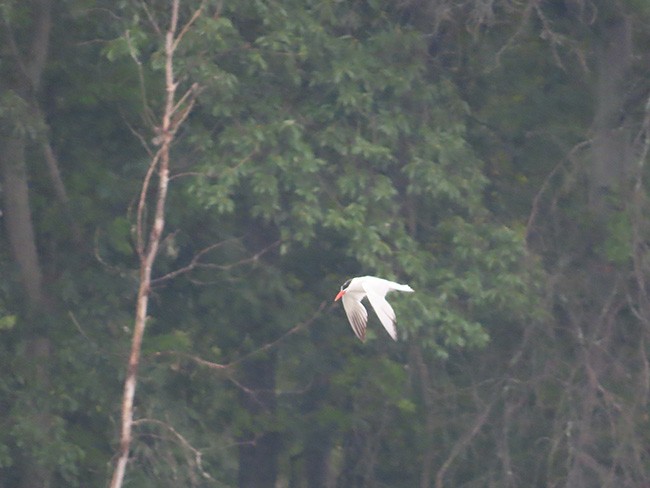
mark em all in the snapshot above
pixel 490 153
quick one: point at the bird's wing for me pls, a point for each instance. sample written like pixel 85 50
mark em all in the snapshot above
pixel 357 315
pixel 381 286
pixel 377 286
pixel 385 313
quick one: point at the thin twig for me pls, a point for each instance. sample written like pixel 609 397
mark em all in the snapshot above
pixel 191 92
pixel 78 326
pixel 148 113
pixel 179 119
pixel 547 181
pixel 465 439
pixel 195 262
pixel 140 137
pixel 140 245
pixel 186 27
pixel 263 348
pixel 197 453
pixel 151 18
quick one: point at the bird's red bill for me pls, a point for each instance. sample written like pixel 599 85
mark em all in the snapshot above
pixel 339 295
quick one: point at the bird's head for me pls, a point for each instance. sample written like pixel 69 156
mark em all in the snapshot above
pixel 344 287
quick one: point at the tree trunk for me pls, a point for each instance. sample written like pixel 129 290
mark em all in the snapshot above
pixel 23 78
pixel 34 472
pixel 350 475
pixel 612 155
pixel 612 165
pixel 259 448
pixel 18 218
pixel 317 460
pixel 429 454
pixel 319 439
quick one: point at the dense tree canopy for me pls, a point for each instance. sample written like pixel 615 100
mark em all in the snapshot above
pixel 490 154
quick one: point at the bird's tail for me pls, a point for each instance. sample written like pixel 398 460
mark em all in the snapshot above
pixel 403 288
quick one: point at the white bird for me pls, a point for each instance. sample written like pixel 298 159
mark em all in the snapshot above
pixel 354 290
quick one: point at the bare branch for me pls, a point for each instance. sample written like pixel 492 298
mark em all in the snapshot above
pixel 186 27
pixel 152 19
pixel 293 330
pixel 140 137
pixel 547 181
pixel 13 47
pixel 184 442
pixel 298 327
pixel 464 441
pixel 59 188
pixel 192 92
pixel 140 244
pixel 78 326
pixel 147 251
pixel 147 112
pixel 195 262
pixel 525 18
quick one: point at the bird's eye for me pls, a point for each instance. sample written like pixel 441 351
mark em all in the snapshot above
pixel 346 284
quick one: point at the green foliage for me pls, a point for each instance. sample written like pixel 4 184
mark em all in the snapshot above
pixel 617 245
pixel 352 136
pixel 328 140
pixel 8 322
pixel 17 118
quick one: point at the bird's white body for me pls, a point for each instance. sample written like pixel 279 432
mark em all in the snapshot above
pixel 356 289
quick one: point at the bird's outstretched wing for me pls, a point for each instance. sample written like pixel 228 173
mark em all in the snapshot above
pixel 384 311
pixel 357 315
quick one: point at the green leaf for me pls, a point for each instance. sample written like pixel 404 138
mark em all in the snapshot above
pixel 7 322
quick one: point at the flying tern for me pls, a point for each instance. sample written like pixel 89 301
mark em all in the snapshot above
pixel 354 290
